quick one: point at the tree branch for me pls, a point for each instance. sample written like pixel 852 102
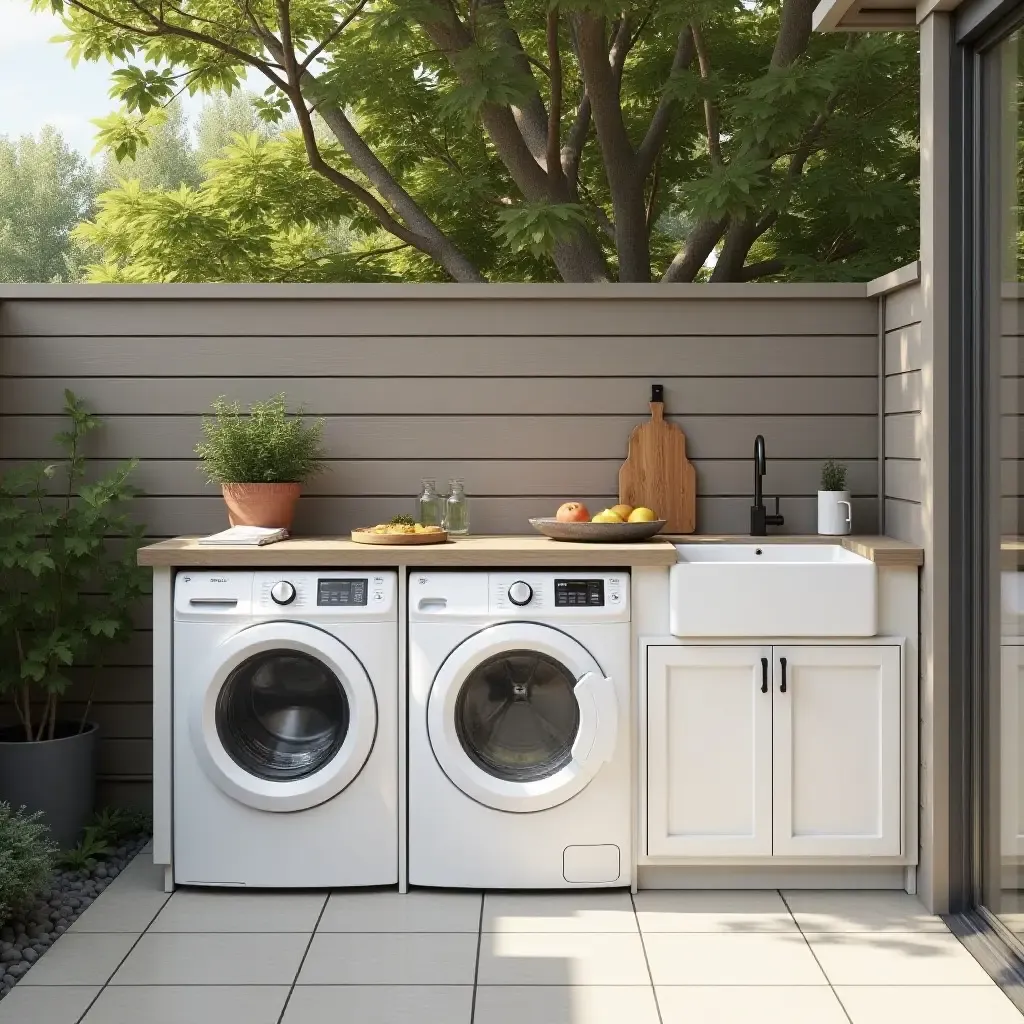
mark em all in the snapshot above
pixel 694 254
pixel 554 150
pixel 658 128
pixel 333 34
pixel 765 268
pixel 572 151
pixel 710 107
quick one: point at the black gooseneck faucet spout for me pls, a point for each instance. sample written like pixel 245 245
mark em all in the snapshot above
pixel 760 520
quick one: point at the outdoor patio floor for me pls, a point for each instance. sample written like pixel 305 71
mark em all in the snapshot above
pixel 200 957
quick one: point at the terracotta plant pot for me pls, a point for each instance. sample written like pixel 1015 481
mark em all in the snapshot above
pixel 261 504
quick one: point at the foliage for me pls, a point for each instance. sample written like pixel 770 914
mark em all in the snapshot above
pixel 402 520
pixel 719 139
pixel 166 160
pixel 259 215
pixel 46 188
pixel 94 844
pixel 118 823
pixel 267 445
pixel 68 593
pixel 833 476
pixel 26 857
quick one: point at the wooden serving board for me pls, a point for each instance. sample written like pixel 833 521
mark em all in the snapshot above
pixel 367 536
pixel 657 474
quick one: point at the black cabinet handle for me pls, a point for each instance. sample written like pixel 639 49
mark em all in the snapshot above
pixel 764 675
pixel 782 685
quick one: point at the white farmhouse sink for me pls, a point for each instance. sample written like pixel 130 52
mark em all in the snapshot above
pixel 783 590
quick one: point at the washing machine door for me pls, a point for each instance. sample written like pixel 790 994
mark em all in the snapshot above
pixel 520 717
pixel 287 719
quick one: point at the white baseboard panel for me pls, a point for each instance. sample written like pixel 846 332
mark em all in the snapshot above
pixel 658 876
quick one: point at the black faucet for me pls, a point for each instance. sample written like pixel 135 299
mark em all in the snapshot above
pixel 760 520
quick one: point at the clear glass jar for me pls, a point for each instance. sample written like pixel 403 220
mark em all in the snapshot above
pixel 456 509
pixel 430 506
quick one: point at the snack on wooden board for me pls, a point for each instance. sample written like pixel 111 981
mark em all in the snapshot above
pixel 404 528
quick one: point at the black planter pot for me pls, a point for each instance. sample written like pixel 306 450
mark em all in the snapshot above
pixel 57 777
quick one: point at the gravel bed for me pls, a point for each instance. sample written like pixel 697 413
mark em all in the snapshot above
pixel 25 938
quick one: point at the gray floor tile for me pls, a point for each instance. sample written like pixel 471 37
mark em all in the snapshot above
pixel 409 958
pixel 894 958
pixel 121 911
pixel 194 1004
pixel 141 874
pixel 562 958
pixel 210 959
pixel 380 1004
pixel 62 1004
pixel 938 1005
pixel 559 912
pixel 78 958
pixel 416 911
pixel 736 1004
pixel 578 1004
pixel 201 910
pixel 744 910
pixel 781 958
pixel 860 911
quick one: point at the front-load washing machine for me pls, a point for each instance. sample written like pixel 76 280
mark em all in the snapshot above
pixel 285 697
pixel 519 760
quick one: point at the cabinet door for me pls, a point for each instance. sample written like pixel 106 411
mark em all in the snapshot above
pixel 709 751
pixel 837 729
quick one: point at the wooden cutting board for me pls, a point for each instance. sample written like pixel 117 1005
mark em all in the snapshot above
pixel 657 473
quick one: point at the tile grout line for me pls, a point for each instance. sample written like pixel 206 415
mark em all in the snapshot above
pixel 476 966
pixel 832 988
pixel 138 938
pixel 305 953
pixel 643 946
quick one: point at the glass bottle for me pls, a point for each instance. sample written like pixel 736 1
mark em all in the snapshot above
pixel 430 505
pixel 456 514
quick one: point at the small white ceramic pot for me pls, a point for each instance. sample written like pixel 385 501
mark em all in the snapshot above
pixel 835 514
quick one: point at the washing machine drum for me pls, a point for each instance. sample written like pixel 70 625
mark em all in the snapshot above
pixel 521 717
pixel 287 719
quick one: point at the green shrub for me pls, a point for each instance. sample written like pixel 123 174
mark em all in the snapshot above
pixel 26 858
pixel 833 476
pixel 55 550
pixel 266 446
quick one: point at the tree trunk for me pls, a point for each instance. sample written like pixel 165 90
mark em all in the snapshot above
pixel 624 179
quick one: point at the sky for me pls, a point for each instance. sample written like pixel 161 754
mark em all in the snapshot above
pixel 38 85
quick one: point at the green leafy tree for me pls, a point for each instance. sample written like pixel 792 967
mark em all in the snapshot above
pixel 260 214
pixel 46 188
pixel 580 140
pixel 168 160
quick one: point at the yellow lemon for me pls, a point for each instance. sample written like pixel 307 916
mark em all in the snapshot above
pixel 607 516
pixel 642 515
pixel 622 511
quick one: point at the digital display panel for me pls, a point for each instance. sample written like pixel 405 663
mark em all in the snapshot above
pixel 579 593
pixel 341 592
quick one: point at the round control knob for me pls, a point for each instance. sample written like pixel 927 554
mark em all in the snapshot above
pixel 282 592
pixel 520 593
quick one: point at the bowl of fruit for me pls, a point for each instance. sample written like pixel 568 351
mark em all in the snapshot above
pixel 610 526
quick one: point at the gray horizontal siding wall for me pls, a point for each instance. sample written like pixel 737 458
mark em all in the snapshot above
pixel 527 392
pixel 903 360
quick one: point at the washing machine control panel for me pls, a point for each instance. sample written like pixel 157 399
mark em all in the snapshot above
pixel 325 594
pixel 558 596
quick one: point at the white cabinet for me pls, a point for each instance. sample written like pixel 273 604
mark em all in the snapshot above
pixel 836 751
pixel 709 744
pixel 784 751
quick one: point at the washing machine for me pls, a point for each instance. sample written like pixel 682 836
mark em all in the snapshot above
pixel 519 759
pixel 285 748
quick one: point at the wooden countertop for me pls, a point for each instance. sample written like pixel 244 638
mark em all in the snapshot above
pixel 527 551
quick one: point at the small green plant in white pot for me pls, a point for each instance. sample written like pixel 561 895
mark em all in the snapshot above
pixel 835 513
pixel 260 458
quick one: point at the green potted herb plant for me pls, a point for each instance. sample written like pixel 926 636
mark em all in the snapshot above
pixel 261 459
pixel 835 513
pixel 70 585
